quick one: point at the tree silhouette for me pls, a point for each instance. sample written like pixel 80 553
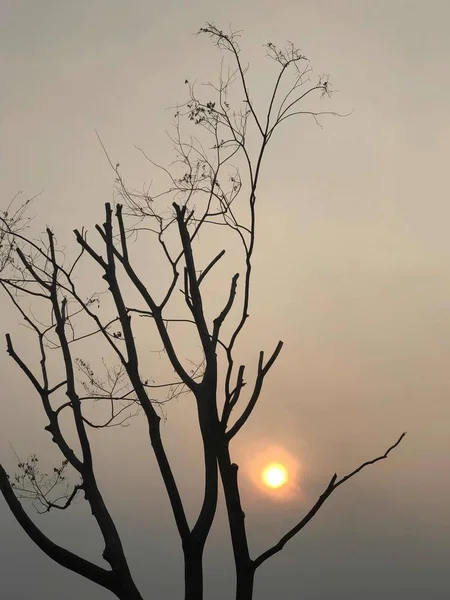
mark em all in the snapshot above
pixel 213 184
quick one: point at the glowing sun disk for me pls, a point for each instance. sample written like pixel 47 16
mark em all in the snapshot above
pixel 274 475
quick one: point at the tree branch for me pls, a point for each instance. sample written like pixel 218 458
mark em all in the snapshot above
pixel 262 372
pixel 210 266
pixel 332 486
pixel 64 557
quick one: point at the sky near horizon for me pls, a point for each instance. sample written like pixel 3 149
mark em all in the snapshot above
pixel 352 272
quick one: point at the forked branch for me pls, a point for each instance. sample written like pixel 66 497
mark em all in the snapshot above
pixel 263 369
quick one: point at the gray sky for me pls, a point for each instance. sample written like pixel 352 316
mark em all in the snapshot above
pixel 352 271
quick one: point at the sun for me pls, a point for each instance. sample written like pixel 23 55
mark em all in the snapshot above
pixel 274 475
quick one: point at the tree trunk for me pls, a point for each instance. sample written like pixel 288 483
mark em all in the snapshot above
pixel 193 576
pixel 244 586
pixel 127 591
pixel 245 573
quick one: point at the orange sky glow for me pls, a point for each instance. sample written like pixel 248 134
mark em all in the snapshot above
pixel 275 472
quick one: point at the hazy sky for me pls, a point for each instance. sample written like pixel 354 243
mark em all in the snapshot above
pixel 352 271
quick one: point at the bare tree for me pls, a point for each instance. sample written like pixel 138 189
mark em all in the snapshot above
pixel 213 183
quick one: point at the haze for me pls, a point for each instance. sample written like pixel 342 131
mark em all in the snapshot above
pixel 352 271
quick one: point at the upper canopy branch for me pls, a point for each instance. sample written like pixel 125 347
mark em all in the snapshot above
pixel 263 369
